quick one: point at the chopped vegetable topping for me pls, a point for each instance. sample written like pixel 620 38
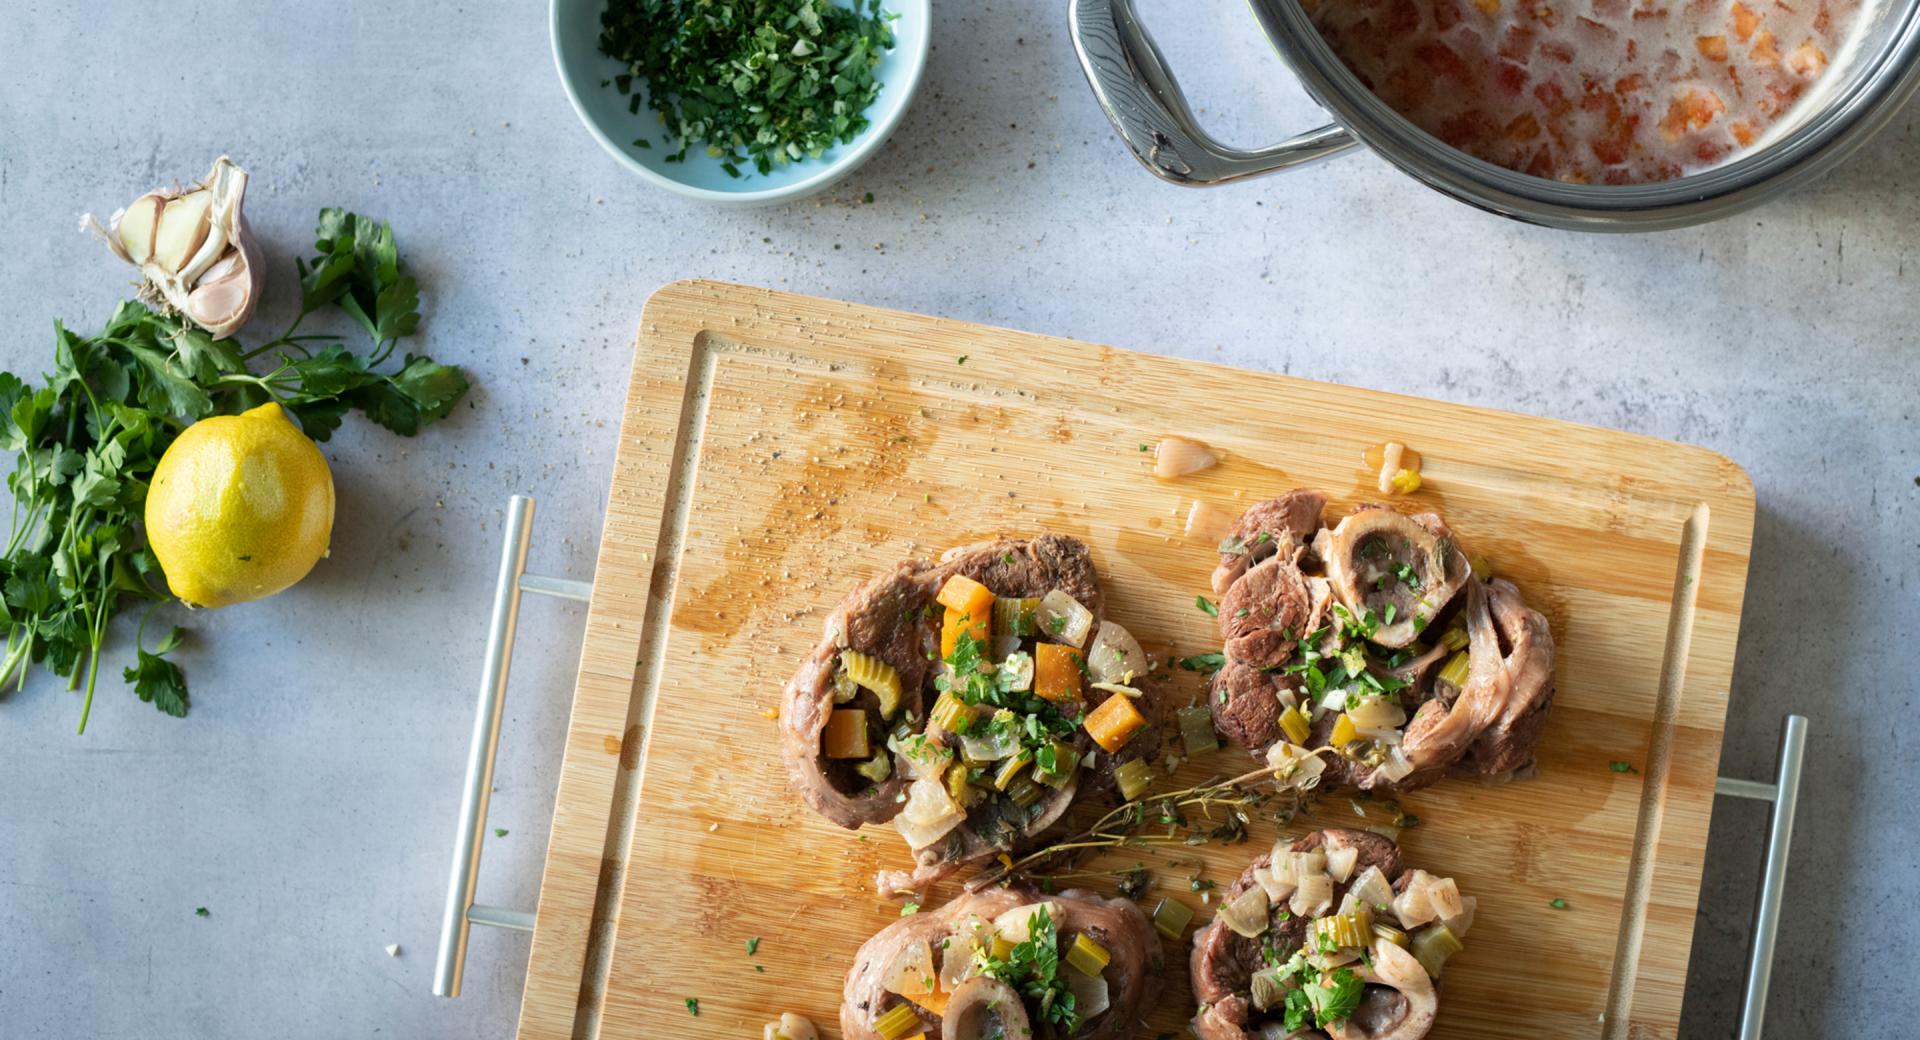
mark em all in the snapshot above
pixel 1032 967
pixel 1114 723
pixel 693 1006
pixel 1134 777
pixel 1557 904
pixel 753 946
pixel 846 734
pixel 1056 672
pixel 765 84
pixel 897 1022
pixel 1206 606
pixel 1204 662
pixel 1171 918
pixel 871 673
pixel 909 909
pixel 1622 767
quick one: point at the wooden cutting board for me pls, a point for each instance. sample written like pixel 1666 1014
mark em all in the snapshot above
pixel 776 450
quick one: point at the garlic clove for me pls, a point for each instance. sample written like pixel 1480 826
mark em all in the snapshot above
pixel 135 227
pixel 182 230
pixel 193 249
pixel 225 298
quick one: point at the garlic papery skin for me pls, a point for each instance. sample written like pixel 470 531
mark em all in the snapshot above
pixel 193 249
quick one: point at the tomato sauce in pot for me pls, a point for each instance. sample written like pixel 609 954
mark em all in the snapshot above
pixel 1590 91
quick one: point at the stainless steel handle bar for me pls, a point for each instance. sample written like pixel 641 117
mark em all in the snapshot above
pixel 461 911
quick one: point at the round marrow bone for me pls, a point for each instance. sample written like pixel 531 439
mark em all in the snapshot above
pixel 1499 713
pixel 984 1008
pixel 1364 557
pixel 1399 1002
pixel 1133 973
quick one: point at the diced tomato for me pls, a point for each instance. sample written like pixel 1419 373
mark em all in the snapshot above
pixel 1807 60
pixel 1712 48
pixel 1745 21
pixel 1765 51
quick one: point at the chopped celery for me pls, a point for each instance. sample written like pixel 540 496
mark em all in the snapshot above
pixel 1023 792
pixel 899 1021
pixel 1344 732
pixel 874 674
pixel 952 714
pixel 1432 946
pixel 877 768
pixel 1087 955
pixel 1482 568
pixel 1065 761
pixel 1390 934
pixel 1011 769
pixel 1353 929
pixel 1454 672
pixel 1171 918
pixel 1133 777
pixel 1014 617
pixel 844 688
pixel 958 788
pixel 1196 729
pixel 1455 637
pixel 1293 723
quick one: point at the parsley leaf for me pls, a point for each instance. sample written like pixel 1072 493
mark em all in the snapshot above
pixel 1206 606
pixel 1204 662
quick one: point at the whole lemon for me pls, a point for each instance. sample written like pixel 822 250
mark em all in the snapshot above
pixel 240 507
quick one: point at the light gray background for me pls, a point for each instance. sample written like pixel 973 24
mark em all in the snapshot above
pixel 308 801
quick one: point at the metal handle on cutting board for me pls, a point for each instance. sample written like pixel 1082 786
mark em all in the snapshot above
pixel 1134 87
pixel 461 911
pixel 1784 793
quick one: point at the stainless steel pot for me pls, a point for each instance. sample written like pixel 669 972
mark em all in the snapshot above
pixel 1140 96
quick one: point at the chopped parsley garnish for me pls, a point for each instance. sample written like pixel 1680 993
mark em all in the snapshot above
pixel 753 946
pixel 910 909
pixel 1321 1000
pixel 1204 662
pixel 1242 612
pixel 1622 767
pixel 1206 606
pixel 1557 904
pixel 201 911
pixel 1146 447
pixel 760 85
pixel 1407 577
pixel 1032 968
pixel 499 832
pixel 693 1006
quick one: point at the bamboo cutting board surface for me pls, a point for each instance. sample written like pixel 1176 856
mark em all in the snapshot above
pixel 777 450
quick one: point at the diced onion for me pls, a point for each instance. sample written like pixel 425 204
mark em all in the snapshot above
pixel 928 759
pixel 1114 687
pixel 1063 619
pixel 1310 862
pixel 1270 991
pixel 790 1027
pixel 1412 906
pixel 1388 736
pixel 1294 766
pixel 1340 862
pixel 989 743
pixel 1015 926
pixel 911 973
pixel 1089 993
pixel 929 815
pixel 1445 896
pixel 1369 889
pixel 1334 700
pixel 1179 456
pixel 1247 913
pixel 1460 923
pixel 1396 766
pixel 1016 671
pixel 956 958
pixel 1331 959
pixel 1377 713
pixel 1391 456
pixel 1208 522
pixel 1115 656
pixel 1313 896
pixel 1277 889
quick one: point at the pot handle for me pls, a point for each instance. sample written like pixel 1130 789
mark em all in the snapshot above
pixel 1134 87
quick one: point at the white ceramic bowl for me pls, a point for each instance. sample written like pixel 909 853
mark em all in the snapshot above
pixel 575 29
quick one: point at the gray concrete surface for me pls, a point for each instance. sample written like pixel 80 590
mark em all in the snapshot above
pixel 309 799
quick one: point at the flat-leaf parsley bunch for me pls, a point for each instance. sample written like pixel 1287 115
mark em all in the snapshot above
pixel 87 442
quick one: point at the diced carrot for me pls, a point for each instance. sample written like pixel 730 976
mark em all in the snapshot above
pixel 1114 722
pixel 846 734
pixel 935 1002
pixel 1488 7
pixel 1056 672
pixel 1765 50
pixel 1742 132
pixel 967 596
pixel 955 623
pixel 1745 21
pixel 1712 48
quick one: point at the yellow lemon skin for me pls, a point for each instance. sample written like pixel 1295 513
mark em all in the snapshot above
pixel 239 508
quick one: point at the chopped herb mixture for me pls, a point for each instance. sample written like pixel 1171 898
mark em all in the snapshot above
pixel 760 83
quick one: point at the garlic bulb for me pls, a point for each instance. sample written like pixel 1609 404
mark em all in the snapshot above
pixel 193 249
